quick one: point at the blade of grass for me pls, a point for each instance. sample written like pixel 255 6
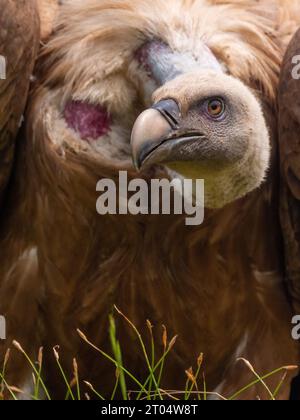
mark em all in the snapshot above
pixel 162 366
pixel 143 348
pixel 160 363
pixel 279 386
pixel 20 349
pixel 56 355
pixel 111 359
pixel 248 364
pixel 38 379
pixel 94 391
pixel 194 384
pixel 116 385
pixel 186 389
pixel 6 358
pixel 204 388
pixel 118 356
pixel 76 376
pixel 150 328
pixel 264 377
pixel 8 388
pixel 174 392
pixel 72 384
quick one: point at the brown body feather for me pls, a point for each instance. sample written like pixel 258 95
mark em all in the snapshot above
pixel 289 128
pixel 19 26
pixel 219 286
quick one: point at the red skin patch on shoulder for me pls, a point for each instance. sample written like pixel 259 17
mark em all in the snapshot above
pixel 89 121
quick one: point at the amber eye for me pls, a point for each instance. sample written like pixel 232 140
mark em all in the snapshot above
pixel 216 108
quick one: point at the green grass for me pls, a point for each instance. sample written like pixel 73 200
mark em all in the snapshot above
pixel 148 388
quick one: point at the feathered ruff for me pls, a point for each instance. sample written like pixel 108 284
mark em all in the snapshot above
pixel 246 36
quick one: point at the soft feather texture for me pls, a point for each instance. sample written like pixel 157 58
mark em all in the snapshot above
pixel 19 27
pixel 48 10
pixel 220 286
pixel 243 39
pixel 289 129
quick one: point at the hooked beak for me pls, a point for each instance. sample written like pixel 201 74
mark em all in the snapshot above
pixel 158 136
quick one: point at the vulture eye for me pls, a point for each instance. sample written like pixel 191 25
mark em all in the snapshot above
pixel 216 108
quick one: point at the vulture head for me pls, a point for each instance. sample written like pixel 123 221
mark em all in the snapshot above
pixel 204 116
pixel 206 125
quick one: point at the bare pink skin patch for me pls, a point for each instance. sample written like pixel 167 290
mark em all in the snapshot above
pixel 142 56
pixel 89 121
pixel 163 64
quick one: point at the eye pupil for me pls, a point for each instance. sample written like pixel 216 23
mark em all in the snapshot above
pixel 216 107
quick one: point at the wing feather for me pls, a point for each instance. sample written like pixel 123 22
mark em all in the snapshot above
pixel 289 139
pixel 19 39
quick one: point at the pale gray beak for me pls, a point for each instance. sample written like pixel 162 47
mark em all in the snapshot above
pixel 158 136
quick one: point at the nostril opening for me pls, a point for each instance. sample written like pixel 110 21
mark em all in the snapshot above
pixel 170 111
pixel 171 117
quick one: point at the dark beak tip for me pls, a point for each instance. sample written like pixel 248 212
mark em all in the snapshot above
pixel 137 165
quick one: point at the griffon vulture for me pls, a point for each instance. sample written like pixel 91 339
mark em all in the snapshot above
pixel 161 89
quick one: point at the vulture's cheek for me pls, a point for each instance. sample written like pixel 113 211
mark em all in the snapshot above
pixel 90 122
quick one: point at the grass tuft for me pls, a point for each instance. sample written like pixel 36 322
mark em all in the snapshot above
pixel 148 388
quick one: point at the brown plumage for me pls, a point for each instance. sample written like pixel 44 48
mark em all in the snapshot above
pixel 219 286
pixel 18 46
pixel 289 129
